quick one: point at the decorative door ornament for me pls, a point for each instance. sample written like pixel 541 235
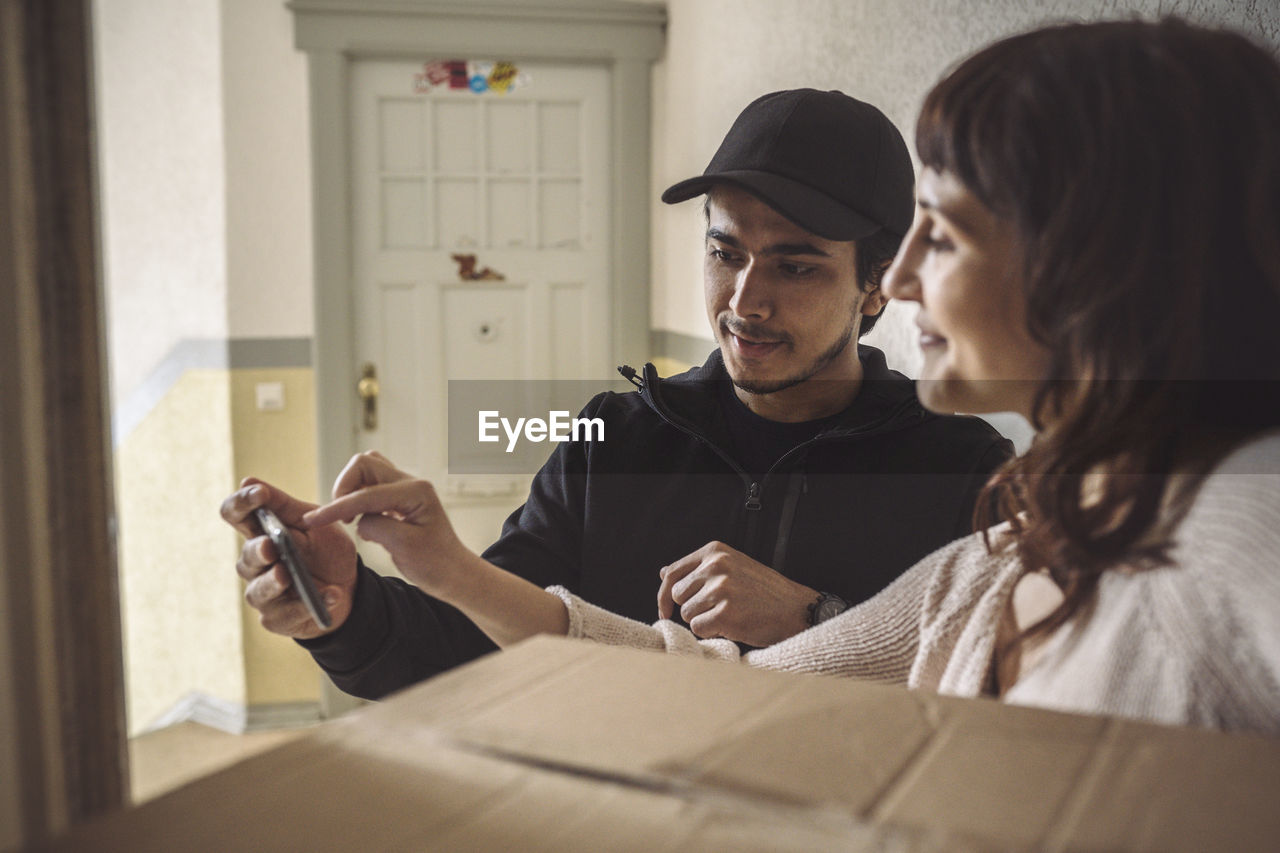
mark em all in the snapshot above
pixel 467 270
pixel 478 76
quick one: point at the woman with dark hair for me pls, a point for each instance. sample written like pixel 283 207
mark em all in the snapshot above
pixel 1097 246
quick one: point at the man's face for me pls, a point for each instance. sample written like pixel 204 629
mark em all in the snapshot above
pixel 784 303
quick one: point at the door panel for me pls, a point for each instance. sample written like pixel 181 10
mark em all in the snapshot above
pixel 519 181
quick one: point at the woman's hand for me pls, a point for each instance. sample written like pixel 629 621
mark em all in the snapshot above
pixel 403 515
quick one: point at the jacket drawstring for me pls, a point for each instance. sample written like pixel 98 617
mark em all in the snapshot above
pixel 629 373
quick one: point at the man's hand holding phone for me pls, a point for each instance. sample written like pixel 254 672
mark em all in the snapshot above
pixel 326 552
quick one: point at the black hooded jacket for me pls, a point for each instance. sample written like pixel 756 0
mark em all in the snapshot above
pixel 845 512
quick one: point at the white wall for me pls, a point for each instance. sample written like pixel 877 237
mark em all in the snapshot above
pixel 160 144
pixel 268 178
pixel 205 175
pixel 721 54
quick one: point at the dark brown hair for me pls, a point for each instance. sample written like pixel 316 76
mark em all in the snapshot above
pixel 873 255
pixel 1139 166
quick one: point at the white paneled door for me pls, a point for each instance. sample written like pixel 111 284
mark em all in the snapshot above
pixel 481 251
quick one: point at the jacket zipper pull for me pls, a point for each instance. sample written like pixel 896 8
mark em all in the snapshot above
pixel 629 373
pixel 753 496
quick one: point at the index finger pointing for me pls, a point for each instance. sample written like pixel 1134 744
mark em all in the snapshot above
pixel 365 469
pixel 402 497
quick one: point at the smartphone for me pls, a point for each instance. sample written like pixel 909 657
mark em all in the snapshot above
pixel 302 582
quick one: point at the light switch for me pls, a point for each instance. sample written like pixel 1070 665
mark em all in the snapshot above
pixel 270 396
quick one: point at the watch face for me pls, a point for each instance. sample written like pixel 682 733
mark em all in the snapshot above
pixel 829 607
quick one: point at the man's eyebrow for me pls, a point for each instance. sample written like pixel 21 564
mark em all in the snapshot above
pixel 775 249
pixel 718 235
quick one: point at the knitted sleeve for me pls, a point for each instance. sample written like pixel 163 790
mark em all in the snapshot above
pixel 589 622
pixel 1195 642
pixel 876 640
pixel 1220 609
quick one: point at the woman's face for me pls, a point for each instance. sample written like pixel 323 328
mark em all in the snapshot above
pixel 959 262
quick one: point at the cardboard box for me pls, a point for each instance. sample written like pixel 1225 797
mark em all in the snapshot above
pixel 564 745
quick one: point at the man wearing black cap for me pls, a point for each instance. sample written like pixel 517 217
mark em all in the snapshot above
pixel 789 476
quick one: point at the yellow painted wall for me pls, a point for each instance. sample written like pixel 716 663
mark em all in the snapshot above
pixel 280 448
pixel 179 594
pixel 187 628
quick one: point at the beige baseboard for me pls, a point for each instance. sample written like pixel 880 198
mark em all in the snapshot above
pixel 236 718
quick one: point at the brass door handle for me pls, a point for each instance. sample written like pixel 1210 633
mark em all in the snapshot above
pixel 367 390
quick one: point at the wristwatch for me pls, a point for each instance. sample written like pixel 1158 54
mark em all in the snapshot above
pixel 825 607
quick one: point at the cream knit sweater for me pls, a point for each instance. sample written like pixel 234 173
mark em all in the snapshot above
pixel 1195 643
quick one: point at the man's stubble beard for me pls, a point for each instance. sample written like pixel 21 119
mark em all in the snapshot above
pixel 831 354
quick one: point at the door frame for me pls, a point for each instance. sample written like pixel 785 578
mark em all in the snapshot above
pixel 62 702
pixel 625 37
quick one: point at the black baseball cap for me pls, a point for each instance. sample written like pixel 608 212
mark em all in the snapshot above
pixel 832 164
